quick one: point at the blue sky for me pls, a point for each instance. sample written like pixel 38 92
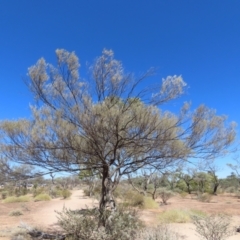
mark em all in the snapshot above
pixel 198 39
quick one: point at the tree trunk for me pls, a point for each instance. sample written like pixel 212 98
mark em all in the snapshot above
pixel 188 188
pixel 107 199
pixel 215 188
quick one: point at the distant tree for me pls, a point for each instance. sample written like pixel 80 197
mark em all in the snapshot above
pixel 236 168
pixel 109 123
pixel 188 179
pixel 173 179
pixel 147 182
pixel 212 171
pixel 203 181
pixel 230 181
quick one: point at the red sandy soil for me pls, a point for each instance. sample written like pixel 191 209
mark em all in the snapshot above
pixel 43 215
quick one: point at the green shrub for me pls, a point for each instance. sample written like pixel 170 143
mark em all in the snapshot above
pixel 17 199
pixel 38 191
pixel 42 197
pixel 179 216
pixel 66 193
pixel 86 192
pixel 15 213
pixel 55 193
pixel 183 194
pixel 121 190
pixel 133 199
pixel 149 203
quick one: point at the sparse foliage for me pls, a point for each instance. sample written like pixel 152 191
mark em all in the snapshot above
pixel 165 195
pixel 161 232
pixel 213 227
pixel 109 123
pixel 83 224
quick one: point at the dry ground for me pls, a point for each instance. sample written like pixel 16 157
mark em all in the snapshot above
pixel 43 215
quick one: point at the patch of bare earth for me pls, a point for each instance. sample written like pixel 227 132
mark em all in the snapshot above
pixel 43 215
pixel 39 214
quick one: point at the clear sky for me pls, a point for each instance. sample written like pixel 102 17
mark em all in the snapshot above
pixel 198 39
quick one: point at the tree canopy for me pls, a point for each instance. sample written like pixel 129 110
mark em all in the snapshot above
pixel 108 123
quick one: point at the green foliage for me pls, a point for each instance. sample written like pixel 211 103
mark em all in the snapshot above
pixel 38 190
pixel 149 203
pixel 121 190
pixel 179 215
pixel 42 197
pixel 66 193
pixel 55 192
pixel 231 182
pixel 133 199
pixel 13 199
pixel 84 224
pixel 213 227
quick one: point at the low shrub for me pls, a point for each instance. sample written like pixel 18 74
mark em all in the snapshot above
pixel 213 227
pixel 54 193
pixel 161 232
pixel 120 191
pixel 13 199
pixel 165 195
pixel 149 203
pixel 25 207
pixel 4 194
pixel 86 192
pixel 66 193
pixel 38 191
pixel 183 194
pixel 133 199
pixel 15 213
pixel 123 224
pixel 42 197
pixel 20 234
pixel 230 189
pixel 204 197
pixel 179 216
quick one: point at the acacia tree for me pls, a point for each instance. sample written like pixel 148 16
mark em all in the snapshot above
pixel 108 124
